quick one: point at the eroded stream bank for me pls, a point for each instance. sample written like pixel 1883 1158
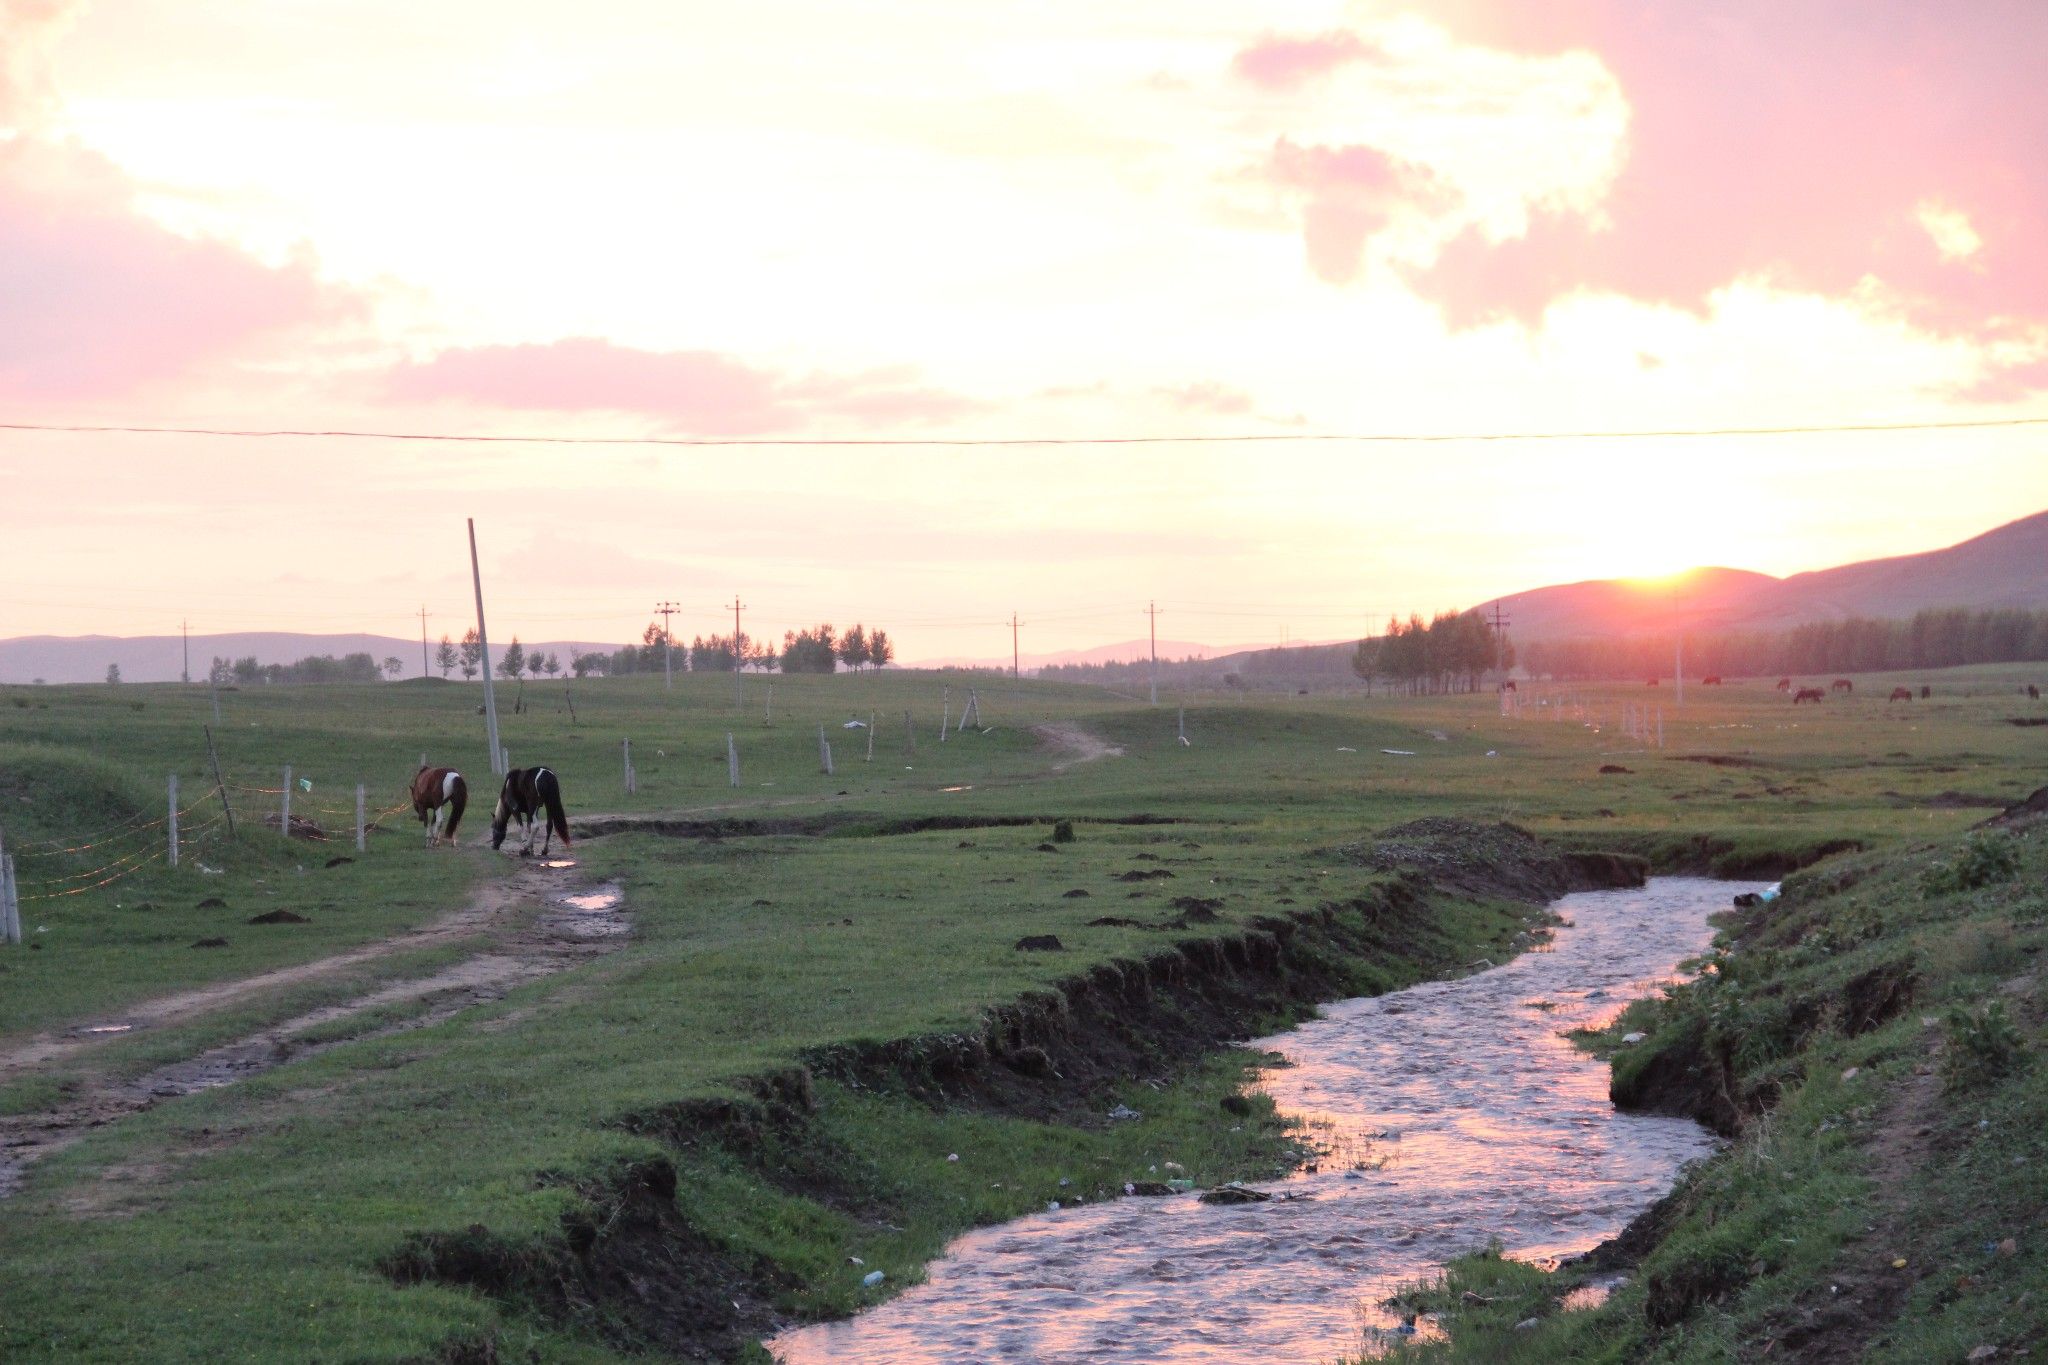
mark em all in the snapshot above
pixel 1456 1112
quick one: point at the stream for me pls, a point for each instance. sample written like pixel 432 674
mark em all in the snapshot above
pixel 1450 1113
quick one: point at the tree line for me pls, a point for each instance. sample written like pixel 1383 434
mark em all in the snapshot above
pixel 1940 638
pixel 818 649
pixel 1452 652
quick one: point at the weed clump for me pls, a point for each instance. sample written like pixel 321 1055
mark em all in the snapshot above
pixel 1063 831
pixel 1982 860
pixel 1983 1044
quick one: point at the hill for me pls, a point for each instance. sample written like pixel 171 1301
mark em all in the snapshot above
pixel 2005 567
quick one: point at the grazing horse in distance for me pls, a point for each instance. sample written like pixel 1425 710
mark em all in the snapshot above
pixel 439 794
pixel 1808 694
pixel 2033 692
pixel 1784 684
pixel 1900 694
pixel 1508 686
pixel 1925 691
pixel 528 792
pixel 1842 685
pixel 1711 680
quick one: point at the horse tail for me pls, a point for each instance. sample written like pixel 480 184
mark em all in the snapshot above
pixel 458 797
pixel 549 789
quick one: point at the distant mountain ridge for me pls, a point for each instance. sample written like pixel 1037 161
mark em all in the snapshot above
pixel 158 658
pixel 2005 567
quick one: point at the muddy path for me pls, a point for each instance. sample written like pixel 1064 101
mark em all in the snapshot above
pixel 1075 745
pixel 576 922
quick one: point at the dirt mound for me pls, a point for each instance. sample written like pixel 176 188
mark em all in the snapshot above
pixel 278 917
pixel 1717 760
pixel 2020 812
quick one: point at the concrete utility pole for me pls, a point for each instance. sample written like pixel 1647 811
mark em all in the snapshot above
pixel 668 644
pixel 737 607
pixel 1152 610
pixel 185 630
pixel 1678 672
pixel 426 665
pixel 484 645
pixel 1015 671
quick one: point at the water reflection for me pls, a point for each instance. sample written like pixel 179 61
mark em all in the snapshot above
pixel 1447 1115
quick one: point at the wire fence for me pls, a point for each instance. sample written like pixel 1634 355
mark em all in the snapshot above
pixel 57 867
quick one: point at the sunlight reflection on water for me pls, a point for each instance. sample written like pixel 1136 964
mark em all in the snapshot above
pixel 1449 1113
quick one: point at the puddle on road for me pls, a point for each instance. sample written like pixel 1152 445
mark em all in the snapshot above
pixel 604 898
pixel 100 1030
pixel 595 913
pixel 559 862
pixel 1448 1114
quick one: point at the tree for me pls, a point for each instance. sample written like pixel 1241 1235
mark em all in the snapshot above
pixel 445 656
pixel 221 672
pixel 472 653
pixel 247 670
pixel 393 665
pixel 535 662
pixel 514 662
pixel 881 652
pixel 853 647
pixel 553 665
pixel 113 674
pixel 810 651
pixel 583 665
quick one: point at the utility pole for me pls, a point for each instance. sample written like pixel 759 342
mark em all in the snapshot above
pixel 185 630
pixel 426 668
pixel 484 645
pixel 1152 610
pixel 1015 671
pixel 1678 670
pixel 1500 624
pixel 668 644
pixel 737 607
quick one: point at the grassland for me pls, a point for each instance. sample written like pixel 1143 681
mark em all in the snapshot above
pixel 335 1208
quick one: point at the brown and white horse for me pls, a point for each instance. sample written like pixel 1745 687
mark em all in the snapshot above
pixel 526 793
pixel 439 794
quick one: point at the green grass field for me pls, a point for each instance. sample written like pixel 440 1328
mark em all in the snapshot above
pixel 264 1220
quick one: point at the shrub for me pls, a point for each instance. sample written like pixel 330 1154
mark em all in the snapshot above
pixel 1063 831
pixel 1982 860
pixel 1983 1044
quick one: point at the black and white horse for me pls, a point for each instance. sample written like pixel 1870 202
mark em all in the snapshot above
pixel 527 792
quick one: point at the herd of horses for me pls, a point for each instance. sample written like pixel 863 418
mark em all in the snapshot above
pixel 530 795
pixel 1815 694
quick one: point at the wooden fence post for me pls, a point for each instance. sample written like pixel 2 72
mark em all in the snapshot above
pixel 360 844
pixel 173 820
pixel 824 750
pixel 285 814
pixel 732 759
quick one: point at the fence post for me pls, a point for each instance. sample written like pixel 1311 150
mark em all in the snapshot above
pixel 732 760
pixel 10 902
pixel 285 828
pixel 220 788
pixel 909 733
pixel 768 707
pixel 945 712
pixel 174 820
pixel 871 737
pixel 626 757
pixel 359 818
pixel 824 750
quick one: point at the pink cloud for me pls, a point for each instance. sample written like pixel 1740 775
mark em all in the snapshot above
pixel 1347 194
pixel 1796 143
pixel 1279 63
pixel 700 392
pixel 1208 396
pixel 101 298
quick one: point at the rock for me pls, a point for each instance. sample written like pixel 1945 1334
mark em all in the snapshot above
pixel 1041 943
pixel 1234 1193
pixel 2009 1247
pixel 1528 1324
pixel 1852 1073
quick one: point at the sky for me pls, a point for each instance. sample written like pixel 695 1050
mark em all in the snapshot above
pixel 797 221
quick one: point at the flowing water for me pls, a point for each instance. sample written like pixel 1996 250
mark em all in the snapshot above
pixel 1451 1113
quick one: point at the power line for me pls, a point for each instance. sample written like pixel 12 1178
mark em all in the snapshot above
pixel 1233 438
